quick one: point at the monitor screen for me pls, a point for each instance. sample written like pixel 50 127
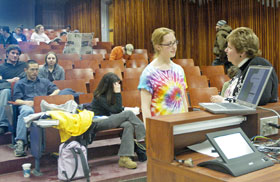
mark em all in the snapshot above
pixel 253 84
pixel 233 145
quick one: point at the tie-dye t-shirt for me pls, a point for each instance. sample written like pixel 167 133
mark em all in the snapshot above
pixel 167 88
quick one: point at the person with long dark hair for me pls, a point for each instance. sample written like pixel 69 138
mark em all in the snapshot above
pixel 107 101
pixel 51 69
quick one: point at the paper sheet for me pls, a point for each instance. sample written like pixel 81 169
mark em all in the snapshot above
pixel 204 148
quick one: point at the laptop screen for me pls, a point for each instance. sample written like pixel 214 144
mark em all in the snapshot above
pixel 254 81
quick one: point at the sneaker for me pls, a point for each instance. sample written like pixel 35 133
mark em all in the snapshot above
pixel 19 149
pixel 127 163
pixel 3 130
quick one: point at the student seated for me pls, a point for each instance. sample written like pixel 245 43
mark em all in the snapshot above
pixel 51 69
pixel 11 71
pixel 107 101
pixel 242 51
pixel 39 35
pixel 24 92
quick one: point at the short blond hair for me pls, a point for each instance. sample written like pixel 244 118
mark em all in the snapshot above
pixel 37 28
pixel 245 40
pixel 157 37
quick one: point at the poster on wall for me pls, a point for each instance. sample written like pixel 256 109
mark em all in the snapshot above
pixel 78 43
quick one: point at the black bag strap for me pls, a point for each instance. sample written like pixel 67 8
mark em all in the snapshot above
pixel 76 165
pixel 84 163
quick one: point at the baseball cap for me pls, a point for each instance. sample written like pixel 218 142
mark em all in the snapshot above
pixel 129 48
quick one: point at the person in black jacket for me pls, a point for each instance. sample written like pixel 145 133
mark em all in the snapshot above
pixel 243 51
pixel 107 101
pixel 7 38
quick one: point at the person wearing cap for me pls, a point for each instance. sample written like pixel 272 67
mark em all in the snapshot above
pixel 223 30
pixel 119 51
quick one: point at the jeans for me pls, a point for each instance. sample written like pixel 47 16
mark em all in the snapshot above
pixel 5 96
pixel 24 111
pixel 131 125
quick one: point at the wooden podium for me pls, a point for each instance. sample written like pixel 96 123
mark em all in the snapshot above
pixel 162 144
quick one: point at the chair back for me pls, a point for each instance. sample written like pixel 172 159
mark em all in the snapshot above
pixel 197 82
pixel 85 98
pixel 130 84
pixel 136 63
pixel 212 70
pixel 218 81
pixel 131 98
pixel 97 57
pixel 79 73
pixel 132 72
pixel 78 85
pixel 113 64
pixel 139 56
pixel 184 62
pixel 198 95
pixel 72 57
pixel 93 64
pixel 191 71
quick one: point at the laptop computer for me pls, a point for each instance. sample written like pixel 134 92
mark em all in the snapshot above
pixel 249 96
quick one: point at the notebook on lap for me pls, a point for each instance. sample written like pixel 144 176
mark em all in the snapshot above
pixel 249 96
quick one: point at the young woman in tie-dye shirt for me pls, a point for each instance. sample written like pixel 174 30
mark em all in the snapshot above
pixel 163 82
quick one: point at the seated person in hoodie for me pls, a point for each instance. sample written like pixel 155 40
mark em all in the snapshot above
pixel 51 69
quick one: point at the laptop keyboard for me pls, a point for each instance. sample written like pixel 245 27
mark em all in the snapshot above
pixel 230 106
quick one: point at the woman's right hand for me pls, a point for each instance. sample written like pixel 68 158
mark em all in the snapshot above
pixel 117 87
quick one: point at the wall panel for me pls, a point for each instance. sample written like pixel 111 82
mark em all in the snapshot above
pixel 135 20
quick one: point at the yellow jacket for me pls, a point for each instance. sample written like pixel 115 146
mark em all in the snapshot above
pixel 72 124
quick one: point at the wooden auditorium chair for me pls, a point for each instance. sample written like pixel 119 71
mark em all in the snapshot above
pixel 100 51
pixel 130 84
pixel 191 71
pixel 45 140
pixel 93 64
pixel 66 64
pixel 133 72
pixel 78 85
pixel 218 81
pixel 113 64
pixel 72 57
pixel 97 57
pixel 197 82
pixel 198 95
pixel 79 73
pixel 184 62
pixel 136 63
pixel 212 70
pixel 139 56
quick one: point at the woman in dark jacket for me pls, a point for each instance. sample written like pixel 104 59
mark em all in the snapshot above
pixel 51 69
pixel 243 52
pixel 107 101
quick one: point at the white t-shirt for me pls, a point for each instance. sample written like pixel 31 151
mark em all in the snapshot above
pixel 40 38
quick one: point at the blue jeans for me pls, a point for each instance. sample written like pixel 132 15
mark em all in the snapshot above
pixel 5 96
pixel 131 125
pixel 24 111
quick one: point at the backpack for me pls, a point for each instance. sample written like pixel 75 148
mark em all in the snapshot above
pixel 72 161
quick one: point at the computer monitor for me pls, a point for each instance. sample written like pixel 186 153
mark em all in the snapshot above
pixel 237 154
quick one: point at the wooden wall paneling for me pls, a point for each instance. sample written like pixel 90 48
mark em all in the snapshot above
pixel 135 20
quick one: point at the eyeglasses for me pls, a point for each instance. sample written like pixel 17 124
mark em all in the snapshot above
pixel 171 44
